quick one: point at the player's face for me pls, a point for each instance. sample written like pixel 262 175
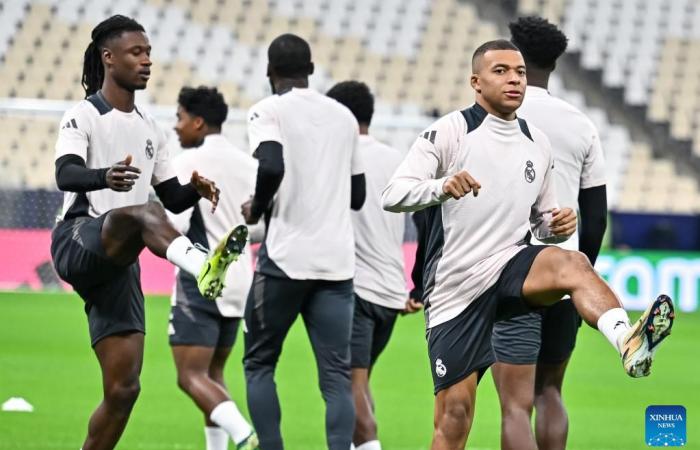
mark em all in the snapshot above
pixel 128 60
pixel 188 128
pixel 500 80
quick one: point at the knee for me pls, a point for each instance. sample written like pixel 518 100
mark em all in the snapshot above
pixel 455 421
pixel 122 396
pixel 514 409
pixel 571 265
pixel 153 212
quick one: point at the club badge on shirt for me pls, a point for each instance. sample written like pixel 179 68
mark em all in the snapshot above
pixel 149 149
pixel 529 172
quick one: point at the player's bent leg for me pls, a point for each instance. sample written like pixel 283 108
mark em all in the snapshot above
pixel 556 272
pixel 126 231
pixel 454 413
pixel 120 357
pixel 514 384
pixel 551 419
pixel 192 363
pixel 328 316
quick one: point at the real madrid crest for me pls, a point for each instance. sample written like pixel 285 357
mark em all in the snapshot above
pixel 529 172
pixel 149 149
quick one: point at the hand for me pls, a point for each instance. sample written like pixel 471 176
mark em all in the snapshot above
pixel 412 306
pixel 206 188
pixel 460 184
pixel 247 211
pixel 122 176
pixel 563 222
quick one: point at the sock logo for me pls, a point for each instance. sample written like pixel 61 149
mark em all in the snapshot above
pixel 618 323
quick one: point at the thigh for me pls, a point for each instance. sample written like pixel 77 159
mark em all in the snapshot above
pixel 121 358
pixel 121 233
pixel 552 274
pixel 328 316
pixel 515 384
pixel 362 335
pixel 385 319
pixel 192 358
pixel 517 340
pixel 560 324
pixel 461 346
pixel 272 307
pixel 116 305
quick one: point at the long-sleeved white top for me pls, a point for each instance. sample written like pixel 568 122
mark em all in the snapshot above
pixel 470 240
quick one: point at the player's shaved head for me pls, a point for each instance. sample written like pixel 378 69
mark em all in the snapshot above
pixel 498 44
pixel 289 56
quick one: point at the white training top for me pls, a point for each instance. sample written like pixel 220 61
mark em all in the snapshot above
pixel 234 173
pixel 575 147
pixel 379 275
pixel 309 235
pixel 470 240
pixel 103 135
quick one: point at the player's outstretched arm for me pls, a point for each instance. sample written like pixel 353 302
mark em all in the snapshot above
pixel 178 197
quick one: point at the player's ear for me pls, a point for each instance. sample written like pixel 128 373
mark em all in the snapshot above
pixel 198 123
pixel 106 56
pixel 474 81
pixel 311 68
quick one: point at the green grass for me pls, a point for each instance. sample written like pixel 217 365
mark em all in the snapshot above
pixel 45 357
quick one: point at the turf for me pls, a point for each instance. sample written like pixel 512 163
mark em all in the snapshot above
pixel 45 357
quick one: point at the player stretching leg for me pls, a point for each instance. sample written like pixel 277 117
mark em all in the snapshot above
pixel 107 220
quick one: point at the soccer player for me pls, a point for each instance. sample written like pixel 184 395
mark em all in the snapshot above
pixel 203 332
pixel 306 146
pixel 487 178
pixel 532 351
pixel 107 220
pixel 379 283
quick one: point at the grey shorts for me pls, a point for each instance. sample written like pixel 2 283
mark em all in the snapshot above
pixel 547 336
pixel 112 293
pixel 371 329
pixel 195 326
pixel 461 346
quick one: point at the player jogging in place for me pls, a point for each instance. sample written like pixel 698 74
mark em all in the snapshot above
pixel 107 219
pixel 533 350
pixel 203 332
pixel 306 146
pixel 379 283
pixel 486 177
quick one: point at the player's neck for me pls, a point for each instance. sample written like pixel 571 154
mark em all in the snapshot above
pixel 120 98
pixel 364 128
pixel 493 111
pixel 284 85
pixel 538 78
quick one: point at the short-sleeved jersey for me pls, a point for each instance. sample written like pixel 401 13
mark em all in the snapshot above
pixel 470 240
pixel 575 146
pixel 234 172
pixel 379 275
pixel 309 234
pixel 102 135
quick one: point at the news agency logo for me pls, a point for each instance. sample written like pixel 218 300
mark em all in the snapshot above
pixel 665 426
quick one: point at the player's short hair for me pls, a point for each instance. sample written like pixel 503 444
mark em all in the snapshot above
pixel 357 97
pixel 205 102
pixel 497 44
pixel 540 41
pixel 93 71
pixel 290 56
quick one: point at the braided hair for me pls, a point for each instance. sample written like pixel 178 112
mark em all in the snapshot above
pixel 93 70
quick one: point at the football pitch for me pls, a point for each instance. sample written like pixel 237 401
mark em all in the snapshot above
pixel 45 357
